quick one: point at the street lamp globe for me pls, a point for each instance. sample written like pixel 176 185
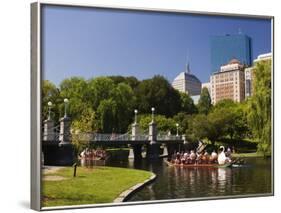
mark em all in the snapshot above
pixel 177 129
pixel 136 112
pixel 65 106
pixel 152 109
pixel 49 110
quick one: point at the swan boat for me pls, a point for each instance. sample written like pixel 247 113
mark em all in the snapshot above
pixel 213 165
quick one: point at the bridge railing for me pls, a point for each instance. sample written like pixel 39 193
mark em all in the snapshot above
pixel 109 137
pixel 139 137
pixel 168 137
pixel 50 136
pixel 119 137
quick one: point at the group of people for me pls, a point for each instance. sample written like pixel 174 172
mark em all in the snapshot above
pixel 93 154
pixel 192 157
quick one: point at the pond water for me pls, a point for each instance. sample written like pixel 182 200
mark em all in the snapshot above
pixel 175 183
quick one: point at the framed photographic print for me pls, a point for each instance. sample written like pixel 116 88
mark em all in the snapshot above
pixel 138 105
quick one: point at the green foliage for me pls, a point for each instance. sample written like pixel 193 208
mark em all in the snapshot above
pixel 86 123
pixel 226 120
pixel 52 94
pixel 74 90
pixel 131 81
pixel 205 102
pixel 259 107
pixel 99 89
pixel 164 124
pixel 187 104
pixel 106 113
pixel 184 121
pixel 234 115
pixel 158 92
pixel 124 98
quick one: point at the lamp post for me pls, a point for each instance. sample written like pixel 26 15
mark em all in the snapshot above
pixel 177 129
pixel 65 106
pixel 136 112
pixel 152 113
pixel 49 110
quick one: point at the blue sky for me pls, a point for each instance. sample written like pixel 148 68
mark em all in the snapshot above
pixel 91 42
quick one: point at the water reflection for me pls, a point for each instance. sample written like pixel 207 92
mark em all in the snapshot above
pixel 175 183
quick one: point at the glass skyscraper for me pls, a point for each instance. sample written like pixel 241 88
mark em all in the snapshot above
pixel 227 47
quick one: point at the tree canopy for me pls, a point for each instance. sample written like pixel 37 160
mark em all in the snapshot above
pixel 259 108
pixel 158 92
pixel 205 102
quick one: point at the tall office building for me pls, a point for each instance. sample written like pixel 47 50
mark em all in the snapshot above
pixel 187 83
pixel 226 47
pixel 228 83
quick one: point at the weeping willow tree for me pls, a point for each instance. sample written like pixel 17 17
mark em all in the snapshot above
pixel 259 111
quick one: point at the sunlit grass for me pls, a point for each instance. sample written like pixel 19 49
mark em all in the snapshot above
pixel 250 155
pixel 90 186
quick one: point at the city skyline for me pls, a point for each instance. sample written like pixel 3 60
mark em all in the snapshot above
pixel 91 42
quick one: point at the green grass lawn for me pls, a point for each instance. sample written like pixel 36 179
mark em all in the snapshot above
pixel 90 186
pixel 250 155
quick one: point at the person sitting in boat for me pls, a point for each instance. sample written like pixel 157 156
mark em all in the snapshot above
pixel 178 158
pixel 213 158
pixel 174 157
pixel 228 152
pixel 178 155
pixel 192 157
pixel 222 159
pixel 199 158
pixel 184 158
pixel 187 157
pixel 205 157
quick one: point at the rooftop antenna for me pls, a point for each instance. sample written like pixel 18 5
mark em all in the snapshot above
pixel 187 68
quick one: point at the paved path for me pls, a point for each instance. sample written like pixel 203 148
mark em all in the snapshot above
pixel 49 170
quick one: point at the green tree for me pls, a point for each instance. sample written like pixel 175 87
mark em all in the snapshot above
pixel 50 93
pixel 200 129
pixel 183 120
pixel 131 80
pixel 75 90
pixel 187 104
pixel 218 124
pixel 86 123
pixel 157 92
pixel 164 124
pixel 259 108
pixel 205 102
pixel 234 116
pixel 106 114
pixel 99 89
pixel 124 98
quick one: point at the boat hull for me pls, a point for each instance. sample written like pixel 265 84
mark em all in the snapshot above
pixel 198 165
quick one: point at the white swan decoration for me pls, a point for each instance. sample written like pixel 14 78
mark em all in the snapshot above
pixel 221 156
